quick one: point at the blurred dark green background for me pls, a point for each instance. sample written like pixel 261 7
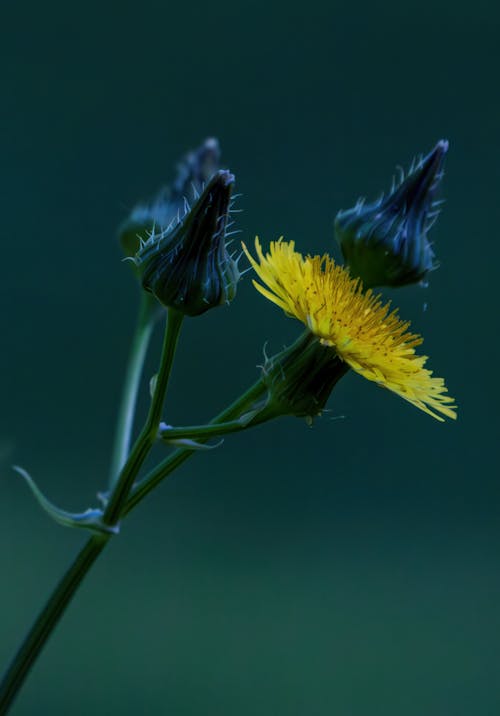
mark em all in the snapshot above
pixel 352 569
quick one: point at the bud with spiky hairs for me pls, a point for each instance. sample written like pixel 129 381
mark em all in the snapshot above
pixel 193 172
pixel 187 266
pixel 386 243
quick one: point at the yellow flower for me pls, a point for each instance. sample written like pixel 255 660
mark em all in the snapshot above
pixel 364 332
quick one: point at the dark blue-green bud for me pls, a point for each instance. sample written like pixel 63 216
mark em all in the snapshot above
pixel 187 266
pixel 386 243
pixel 164 210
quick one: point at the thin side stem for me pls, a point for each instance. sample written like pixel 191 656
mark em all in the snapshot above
pixel 195 432
pixel 126 413
pixel 47 620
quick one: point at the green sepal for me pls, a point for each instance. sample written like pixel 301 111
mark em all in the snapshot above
pixel 90 520
pixel 298 381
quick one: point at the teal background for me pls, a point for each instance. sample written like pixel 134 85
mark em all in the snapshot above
pixel 348 569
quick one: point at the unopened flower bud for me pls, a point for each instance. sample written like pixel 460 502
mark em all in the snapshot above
pixel 188 267
pixel 386 243
pixel 169 205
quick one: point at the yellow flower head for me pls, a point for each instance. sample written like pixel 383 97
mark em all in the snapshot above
pixel 369 337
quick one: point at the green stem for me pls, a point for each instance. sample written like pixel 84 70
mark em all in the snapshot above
pixel 148 434
pixel 195 432
pixel 65 590
pixel 47 620
pixel 126 413
pixel 173 461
